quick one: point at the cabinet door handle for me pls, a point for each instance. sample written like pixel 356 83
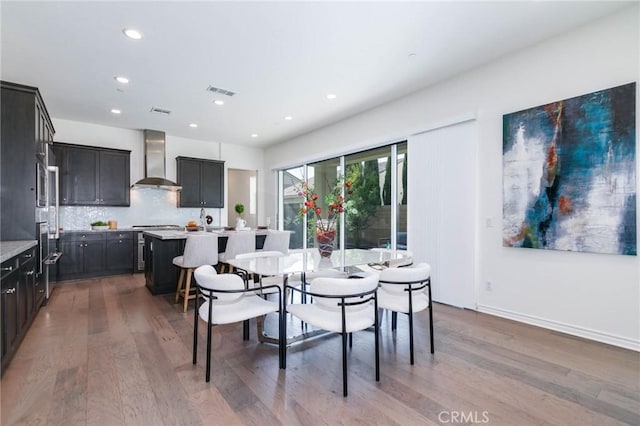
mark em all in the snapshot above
pixel 9 291
pixel 7 269
pixel 41 291
pixel 31 272
pixel 28 256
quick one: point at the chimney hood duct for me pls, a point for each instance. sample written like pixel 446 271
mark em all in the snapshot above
pixel 154 163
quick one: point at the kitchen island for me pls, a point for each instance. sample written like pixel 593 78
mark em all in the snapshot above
pixel 160 247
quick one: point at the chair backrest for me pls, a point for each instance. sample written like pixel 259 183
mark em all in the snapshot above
pixel 239 242
pixel 207 277
pixel 200 249
pixel 415 274
pixel 340 287
pixel 259 254
pixel 407 258
pixel 277 241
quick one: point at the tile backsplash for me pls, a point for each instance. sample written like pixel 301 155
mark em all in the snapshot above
pixel 148 207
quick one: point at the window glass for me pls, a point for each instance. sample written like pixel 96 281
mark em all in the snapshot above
pixel 401 238
pixel 368 213
pixel 292 203
pixel 322 176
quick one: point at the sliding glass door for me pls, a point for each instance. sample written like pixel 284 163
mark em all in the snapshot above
pixel 375 210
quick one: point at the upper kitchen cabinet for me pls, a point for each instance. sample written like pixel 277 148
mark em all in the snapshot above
pixel 25 130
pixel 202 182
pixel 91 176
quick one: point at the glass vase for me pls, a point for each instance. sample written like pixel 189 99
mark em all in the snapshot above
pixel 325 241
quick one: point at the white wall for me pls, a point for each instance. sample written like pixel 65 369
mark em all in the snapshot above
pixel 149 206
pixel 591 295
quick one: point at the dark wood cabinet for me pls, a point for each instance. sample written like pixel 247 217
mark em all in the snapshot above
pixel 24 131
pixel 93 176
pixel 120 252
pixel 94 254
pixel 19 301
pixel 161 275
pixel 9 305
pixel 202 182
pixel 83 255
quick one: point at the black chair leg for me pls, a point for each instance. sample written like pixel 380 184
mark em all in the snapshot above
pixel 245 330
pixel 376 330
pixel 195 330
pixel 344 364
pixel 208 353
pixel 394 321
pixel 411 335
pixel 350 340
pixel 430 319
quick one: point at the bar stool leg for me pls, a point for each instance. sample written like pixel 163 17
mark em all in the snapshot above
pixel 187 289
pixel 180 278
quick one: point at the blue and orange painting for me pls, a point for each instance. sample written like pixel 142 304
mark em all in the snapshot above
pixel 569 174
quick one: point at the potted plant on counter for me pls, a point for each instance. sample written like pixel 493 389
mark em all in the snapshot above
pixel 99 225
pixel 240 222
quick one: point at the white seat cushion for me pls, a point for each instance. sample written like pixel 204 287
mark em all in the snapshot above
pixel 331 320
pixel 178 261
pixel 249 306
pixel 400 302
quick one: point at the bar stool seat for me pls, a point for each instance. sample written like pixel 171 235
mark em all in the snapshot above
pixel 200 249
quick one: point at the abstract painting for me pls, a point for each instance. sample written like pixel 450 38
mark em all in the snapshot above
pixel 569 174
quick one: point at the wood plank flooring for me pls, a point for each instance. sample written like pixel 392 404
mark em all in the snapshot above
pixel 106 352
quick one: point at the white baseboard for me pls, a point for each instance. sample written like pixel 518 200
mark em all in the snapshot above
pixel 586 333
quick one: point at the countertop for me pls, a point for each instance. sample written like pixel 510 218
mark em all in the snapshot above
pixel 69 231
pixel 9 249
pixel 180 235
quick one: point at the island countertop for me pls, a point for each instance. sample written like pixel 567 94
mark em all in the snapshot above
pixel 181 235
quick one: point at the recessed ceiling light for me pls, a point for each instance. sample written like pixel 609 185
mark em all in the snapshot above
pixel 115 111
pixel 254 135
pixel 218 102
pixel 288 118
pixel 331 96
pixel 133 34
pixel 194 125
pixel 123 80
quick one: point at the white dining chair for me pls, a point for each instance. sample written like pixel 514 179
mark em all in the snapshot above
pixel 199 249
pixel 405 260
pixel 407 290
pixel 277 241
pixel 341 305
pixel 238 242
pixel 226 301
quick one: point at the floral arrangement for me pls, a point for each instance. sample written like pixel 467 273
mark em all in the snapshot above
pixel 333 200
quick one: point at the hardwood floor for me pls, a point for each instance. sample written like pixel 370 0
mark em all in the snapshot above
pixel 106 352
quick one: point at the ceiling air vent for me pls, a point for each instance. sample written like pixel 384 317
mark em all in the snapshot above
pixel 160 110
pixel 221 91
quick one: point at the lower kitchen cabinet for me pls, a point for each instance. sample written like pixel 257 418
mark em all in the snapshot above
pixel 119 252
pixel 19 301
pixel 94 254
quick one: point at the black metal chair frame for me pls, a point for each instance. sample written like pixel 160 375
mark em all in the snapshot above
pixel 206 292
pixel 421 284
pixel 373 295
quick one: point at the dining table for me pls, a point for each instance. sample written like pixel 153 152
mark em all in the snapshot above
pixel 306 261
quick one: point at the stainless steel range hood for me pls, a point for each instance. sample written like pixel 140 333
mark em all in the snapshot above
pixel 154 163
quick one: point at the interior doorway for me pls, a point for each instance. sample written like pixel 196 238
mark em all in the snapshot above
pixel 242 186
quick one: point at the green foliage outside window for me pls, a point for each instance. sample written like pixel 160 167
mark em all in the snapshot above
pixel 363 204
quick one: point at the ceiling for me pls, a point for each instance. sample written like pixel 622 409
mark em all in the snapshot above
pixel 280 58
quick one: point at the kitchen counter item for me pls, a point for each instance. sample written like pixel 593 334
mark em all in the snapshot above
pixel 9 249
pixel 113 224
